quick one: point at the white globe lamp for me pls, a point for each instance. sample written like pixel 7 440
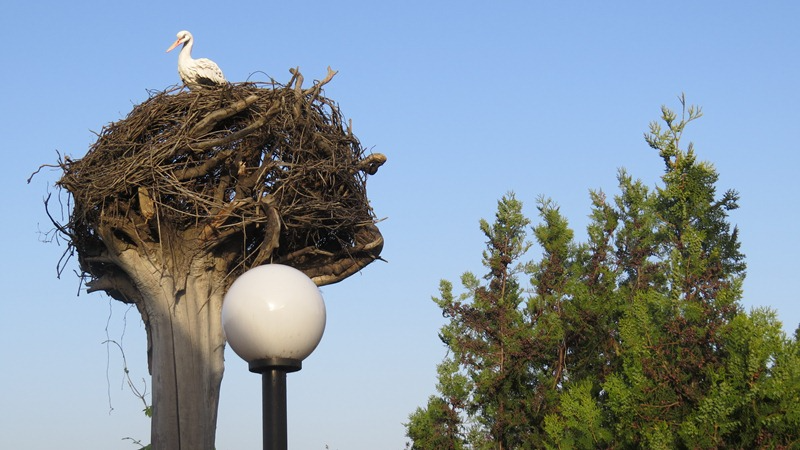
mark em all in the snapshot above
pixel 273 317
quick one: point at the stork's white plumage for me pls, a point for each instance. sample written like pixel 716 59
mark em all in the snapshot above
pixel 195 73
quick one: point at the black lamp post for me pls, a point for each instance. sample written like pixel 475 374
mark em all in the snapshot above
pixel 273 317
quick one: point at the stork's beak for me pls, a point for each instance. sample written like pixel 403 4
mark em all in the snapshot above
pixel 177 43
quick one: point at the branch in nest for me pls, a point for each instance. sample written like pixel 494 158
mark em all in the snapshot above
pixel 272 234
pixel 337 267
pixel 370 164
pixel 314 91
pixel 303 252
pixel 55 166
pixel 146 204
pixel 205 145
pixel 208 122
pixel 55 223
pixel 297 78
pixel 189 173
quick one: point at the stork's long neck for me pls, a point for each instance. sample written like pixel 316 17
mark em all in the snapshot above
pixel 185 56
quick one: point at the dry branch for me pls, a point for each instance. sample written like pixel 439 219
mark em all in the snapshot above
pixel 207 124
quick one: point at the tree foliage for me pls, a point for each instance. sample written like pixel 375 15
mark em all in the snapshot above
pixel 635 338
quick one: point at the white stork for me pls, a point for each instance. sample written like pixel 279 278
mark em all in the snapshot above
pixel 195 73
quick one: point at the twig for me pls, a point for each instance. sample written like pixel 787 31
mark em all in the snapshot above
pixel 315 90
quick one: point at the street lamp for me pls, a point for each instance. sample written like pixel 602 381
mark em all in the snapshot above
pixel 273 317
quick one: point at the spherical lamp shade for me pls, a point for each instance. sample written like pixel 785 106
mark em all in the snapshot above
pixel 273 312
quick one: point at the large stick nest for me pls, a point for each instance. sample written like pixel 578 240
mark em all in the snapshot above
pixel 266 172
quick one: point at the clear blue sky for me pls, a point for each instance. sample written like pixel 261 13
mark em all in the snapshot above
pixel 467 99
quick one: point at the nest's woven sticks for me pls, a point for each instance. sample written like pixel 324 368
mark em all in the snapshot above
pixel 219 160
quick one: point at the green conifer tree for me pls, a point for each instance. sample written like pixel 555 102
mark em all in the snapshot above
pixel 634 339
pixel 684 273
pixel 487 376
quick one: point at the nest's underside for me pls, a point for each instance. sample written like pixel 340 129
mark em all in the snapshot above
pixel 266 172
